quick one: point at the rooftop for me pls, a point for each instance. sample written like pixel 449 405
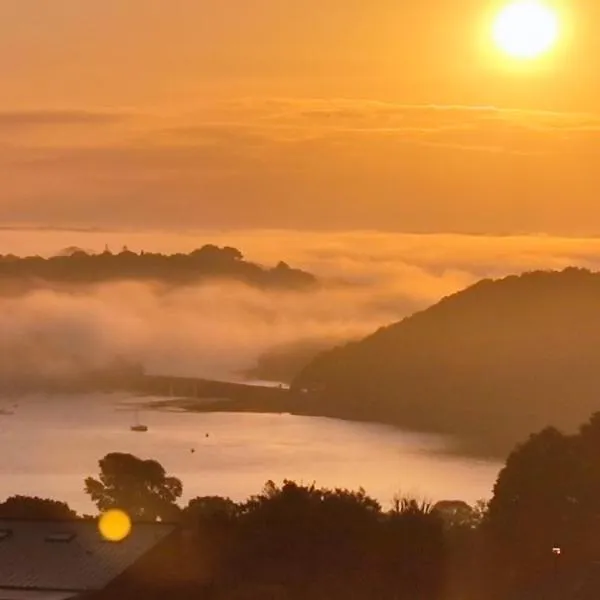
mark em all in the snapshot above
pixel 67 556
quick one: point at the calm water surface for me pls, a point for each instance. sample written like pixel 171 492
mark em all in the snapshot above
pixel 51 443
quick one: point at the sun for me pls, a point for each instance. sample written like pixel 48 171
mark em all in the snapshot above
pixel 526 29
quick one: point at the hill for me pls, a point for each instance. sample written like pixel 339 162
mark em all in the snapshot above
pixel 76 266
pixel 283 362
pixel 491 363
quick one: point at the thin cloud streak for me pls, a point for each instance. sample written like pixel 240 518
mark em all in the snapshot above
pixel 41 118
pixel 302 163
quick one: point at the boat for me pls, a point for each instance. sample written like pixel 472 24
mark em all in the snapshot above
pixel 138 426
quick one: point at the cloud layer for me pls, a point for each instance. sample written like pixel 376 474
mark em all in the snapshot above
pixel 303 164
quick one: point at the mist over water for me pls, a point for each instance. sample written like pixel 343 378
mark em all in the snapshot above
pixel 212 330
pixel 51 443
pixel 216 329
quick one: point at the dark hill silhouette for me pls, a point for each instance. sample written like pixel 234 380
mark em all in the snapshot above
pixel 490 363
pixel 76 266
pixel 283 362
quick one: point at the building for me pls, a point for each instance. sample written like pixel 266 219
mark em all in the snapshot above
pixel 60 560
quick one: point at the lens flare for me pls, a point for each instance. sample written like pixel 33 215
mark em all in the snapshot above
pixel 114 525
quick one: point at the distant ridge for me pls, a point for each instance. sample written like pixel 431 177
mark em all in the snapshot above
pixel 76 266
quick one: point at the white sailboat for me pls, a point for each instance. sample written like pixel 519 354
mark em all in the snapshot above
pixel 137 426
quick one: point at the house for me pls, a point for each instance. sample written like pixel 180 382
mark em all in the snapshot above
pixel 61 560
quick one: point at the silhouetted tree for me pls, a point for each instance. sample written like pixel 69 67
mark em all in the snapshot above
pixel 457 513
pixel 210 510
pixel 298 532
pixel 231 253
pixel 290 541
pixel 75 266
pixel 412 550
pixel 140 487
pixel 547 496
pixel 28 507
pixel 532 507
pixel 73 251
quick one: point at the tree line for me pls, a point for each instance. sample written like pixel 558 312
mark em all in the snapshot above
pixel 76 266
pixel 537 537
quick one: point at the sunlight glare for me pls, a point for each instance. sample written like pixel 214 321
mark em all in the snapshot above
pixel 526 29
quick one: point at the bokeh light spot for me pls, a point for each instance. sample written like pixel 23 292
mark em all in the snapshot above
pixel 114 525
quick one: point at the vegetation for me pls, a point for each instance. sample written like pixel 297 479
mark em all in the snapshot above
pixel 282 363
pixel 547 496
pixel 538 536
pixel 76 266
pixel 26 507
pixel 518 353
pixel 139 487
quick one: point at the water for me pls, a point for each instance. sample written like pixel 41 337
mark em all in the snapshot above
pixel 50 444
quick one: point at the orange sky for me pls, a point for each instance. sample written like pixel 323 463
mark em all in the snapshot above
pixel 296 113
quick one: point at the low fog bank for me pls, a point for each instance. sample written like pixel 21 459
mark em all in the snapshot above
pixel 219 329
pixel 213 330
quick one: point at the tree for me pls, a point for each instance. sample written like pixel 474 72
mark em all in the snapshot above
pixel 457 513
pixel 211 524
pixel 536 506
pixel 302 531
pixel 412 549
pixel 210 509
pixel 32 507
pixel 232 254
pixel 139 487
pixel 533 496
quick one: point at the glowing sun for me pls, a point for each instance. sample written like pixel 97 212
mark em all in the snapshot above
pixel 526 29
pixel 114 525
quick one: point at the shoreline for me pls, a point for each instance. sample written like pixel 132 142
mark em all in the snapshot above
pixel 471 449
pixel 195 395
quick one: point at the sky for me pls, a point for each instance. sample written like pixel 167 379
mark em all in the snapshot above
pixel 295 114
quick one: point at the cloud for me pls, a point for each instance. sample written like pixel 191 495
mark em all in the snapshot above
pixel 212 330
pixel 356 116
pixel 256 121
pixel 308 163
pixel 215 330
pixel 39 118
